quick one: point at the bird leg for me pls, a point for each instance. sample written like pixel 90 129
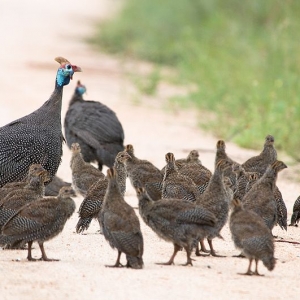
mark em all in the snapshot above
pixel 212 251
pixel 256 270
pixel 188 254
pixel 29 256
pixel 249 272
pixel 117 264
pixel 171 261
pixel 203 249
pixel 44 256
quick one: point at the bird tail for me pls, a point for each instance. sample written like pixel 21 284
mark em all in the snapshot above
pixel 134 262
pixel 269 262
pixel 294 219
pixel 83 224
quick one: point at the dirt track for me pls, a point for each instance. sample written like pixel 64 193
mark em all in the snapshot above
pixel 32 34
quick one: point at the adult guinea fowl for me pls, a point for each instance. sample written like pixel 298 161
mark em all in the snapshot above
pixel 95 127
pixel 37 137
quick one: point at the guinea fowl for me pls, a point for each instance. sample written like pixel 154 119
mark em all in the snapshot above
pixel 252 236
pixel 92 203
pixel 249 180
pixel 33 190
pixel 216 199
pixel 221 154
pixel 242 181
pixel 84 175
pixel 260 197
pixel 177 221
pixel 194 169
pixel 40 221
pixel 142 173
pixel 296 213
pixel 37 137
pixel 267 157
pixel 176 185
pixel 192 156
pixel 53 188
pixel 120 225
pixel 95 127
pixel 281 209
pixel 13 186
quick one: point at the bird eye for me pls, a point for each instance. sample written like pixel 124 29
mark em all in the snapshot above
pixel 68 67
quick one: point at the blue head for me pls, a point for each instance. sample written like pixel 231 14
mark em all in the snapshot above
pixel 80 88
pixel 65 72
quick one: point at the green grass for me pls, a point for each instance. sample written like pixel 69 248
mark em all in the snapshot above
pixel 243 56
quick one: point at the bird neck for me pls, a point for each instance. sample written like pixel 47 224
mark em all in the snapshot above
pixel 52 107
pixel 113 189
pixel 270 152
pixel 144 203
pixel 77 97
pixel 77 162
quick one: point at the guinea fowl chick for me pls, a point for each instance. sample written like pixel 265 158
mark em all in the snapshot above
pixel 95 127
pixel 120 225
pixel 92 203
pixel 194 154
pixel 296 213
pixel 33 170
pixel 260 197
pixel 142 173
pixel 176 185
pixel 33 190
pixel 281 209
pixel 221 154
pixel 216 199
pixel 194 169
pixel 267 157
pixel 252 236
pixel 37 137
pixel 244 180
pixel 84 175
pixel 53 188
pixel 40 221
pixel 177 221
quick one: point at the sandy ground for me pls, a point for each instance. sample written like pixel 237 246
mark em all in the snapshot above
pixel 33 33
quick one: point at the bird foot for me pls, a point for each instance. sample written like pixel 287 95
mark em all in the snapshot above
pixel 198 253
pixel 169 263
pixel 119 265
pixel 188 263
pixel 32 259
pixel 48 259
pixel 216 255
pixel 202 254
pixel 247 273
pixel 239 255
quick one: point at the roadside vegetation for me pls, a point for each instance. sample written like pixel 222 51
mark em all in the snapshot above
pixel 242 56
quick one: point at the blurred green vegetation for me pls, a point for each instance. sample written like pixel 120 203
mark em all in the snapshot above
pixel 243 57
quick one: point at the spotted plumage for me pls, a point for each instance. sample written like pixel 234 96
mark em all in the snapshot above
pixel 95 127
pixel 120 225
pixel 37 137
pixel 40 221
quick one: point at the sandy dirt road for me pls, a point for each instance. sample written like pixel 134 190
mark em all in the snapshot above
pixel 33 33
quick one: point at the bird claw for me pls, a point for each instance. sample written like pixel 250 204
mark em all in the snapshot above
pixel 119 265
pixel 48 259
pixel 169 263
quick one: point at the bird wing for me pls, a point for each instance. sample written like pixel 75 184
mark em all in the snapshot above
pixel 101 122
pixel 33 216
pixel 89 207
